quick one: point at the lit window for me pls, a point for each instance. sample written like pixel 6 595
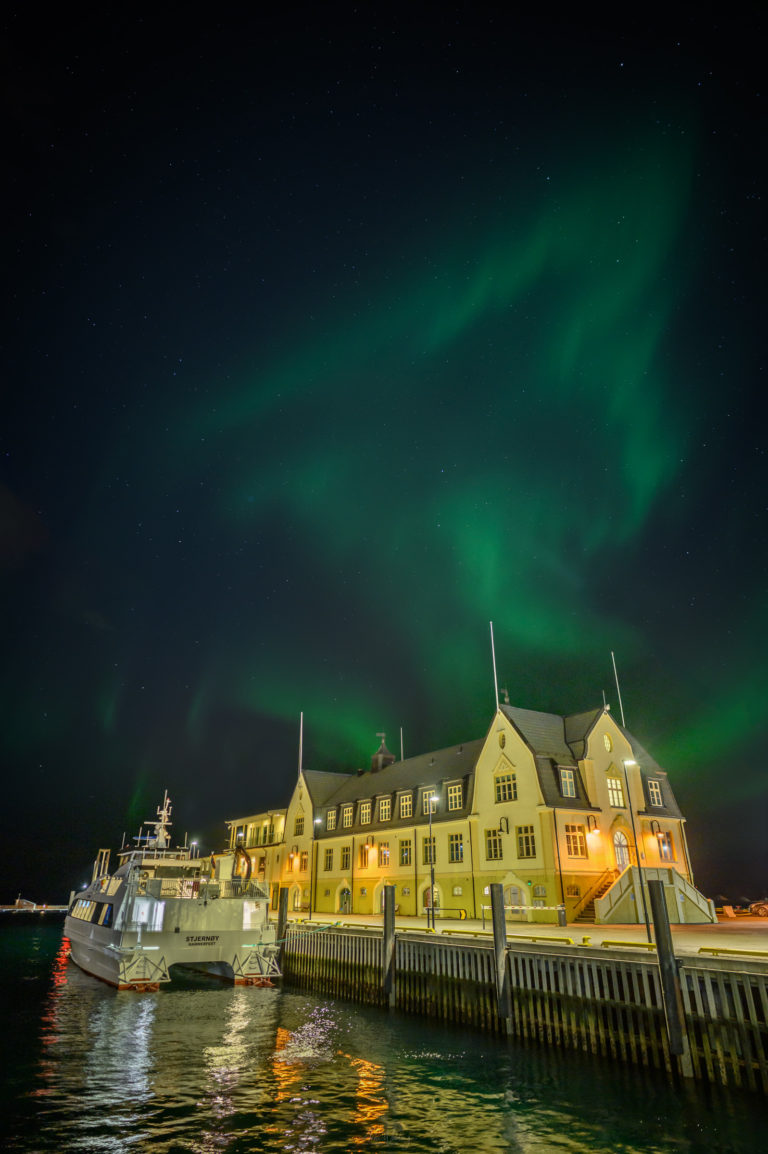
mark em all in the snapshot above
pixel 304 860
pixel 526 841
pixel 384 853
pixel 455 847
pixel 506 787
pixel 405 852
pixel 429 851
pixel 493 845
pixel 328 859
pixel 298 825
pixel 455 796
pixel 364 854
pixel 346 856
pixel 330 819
pixel 346 816
pixel 385 809
pixel 567 783
pixel 406 805
pixel 428 797
pixel 615 792
pixel 365 812
pixel 575 841
pixel 666 847
pixel 654 792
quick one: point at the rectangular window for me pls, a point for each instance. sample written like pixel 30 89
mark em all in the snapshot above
pixel 304 860
pixel 330 819
pixel 506 787
pixel 328 863
pixel 364 852
pixel 615 792
pixel 365 812
pixel 455 847
pixel 384 853
pixel 346 857
pixel 385 809
pixel 428 856
pixel 654 792
pixel 271 833
pixel 567 782
pixel 455 796
pixel 298 825
pixel 575 841
pixel 493 845
pixel 346 816
pixel 428 796
pixel 405 852
pixel 406 805
pixel 526 841
pixel 666 847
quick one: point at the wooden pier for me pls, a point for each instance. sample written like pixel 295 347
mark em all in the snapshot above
pixel 606 1001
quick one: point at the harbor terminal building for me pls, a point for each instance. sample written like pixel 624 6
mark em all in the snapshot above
pixel 570 815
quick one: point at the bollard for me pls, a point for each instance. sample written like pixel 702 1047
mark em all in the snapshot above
pixel 388 946
pixel 503 999
pixel 282 922
pixel 670 981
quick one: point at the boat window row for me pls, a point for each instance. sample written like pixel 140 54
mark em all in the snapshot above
pixel 86 910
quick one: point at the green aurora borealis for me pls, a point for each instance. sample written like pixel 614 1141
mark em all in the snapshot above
pixel 312 406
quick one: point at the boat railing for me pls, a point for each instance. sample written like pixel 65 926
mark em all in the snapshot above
pixel 206 888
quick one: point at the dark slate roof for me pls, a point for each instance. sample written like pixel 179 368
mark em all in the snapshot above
pixel 578 728
pixel 321 784
pixel 544 733
pixel 454 764
pixel 651 769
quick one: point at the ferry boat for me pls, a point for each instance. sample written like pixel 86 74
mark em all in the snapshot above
pixel 165 908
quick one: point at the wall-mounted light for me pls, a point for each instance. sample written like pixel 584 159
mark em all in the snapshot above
pixel 592 825
pixel 369 840
pixel 657 830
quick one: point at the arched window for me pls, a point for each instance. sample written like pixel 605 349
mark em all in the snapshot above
pixel 621 849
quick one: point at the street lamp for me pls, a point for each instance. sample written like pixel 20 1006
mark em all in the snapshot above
pixel 625 762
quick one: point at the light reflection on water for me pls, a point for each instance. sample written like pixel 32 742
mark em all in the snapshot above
pixel 219 1069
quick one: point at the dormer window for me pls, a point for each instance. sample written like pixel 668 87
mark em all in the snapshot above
pixel 654 792
pixel 567 782
pixel 406 805
pixel 330 819
pixel 385 808
pixel 346 816
pixel 455 796
pixel 365 812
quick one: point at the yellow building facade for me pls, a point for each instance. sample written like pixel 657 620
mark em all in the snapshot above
pixel 561 811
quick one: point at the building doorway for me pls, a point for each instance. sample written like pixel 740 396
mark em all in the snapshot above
pixel 621 850
pixel 345 901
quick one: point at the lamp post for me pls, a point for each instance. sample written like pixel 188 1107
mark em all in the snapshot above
pixel 625 762
pixel 431 906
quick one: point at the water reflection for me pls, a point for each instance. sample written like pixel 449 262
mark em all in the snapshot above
pixel 241 1069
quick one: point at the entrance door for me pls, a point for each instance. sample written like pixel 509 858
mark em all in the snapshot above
pixel 345 902
pixel 621 850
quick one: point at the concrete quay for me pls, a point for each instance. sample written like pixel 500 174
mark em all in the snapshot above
pixel 745 936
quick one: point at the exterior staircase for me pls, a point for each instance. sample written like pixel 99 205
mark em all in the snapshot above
pixel 586 915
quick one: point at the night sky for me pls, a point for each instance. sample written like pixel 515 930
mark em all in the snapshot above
pixel 333 336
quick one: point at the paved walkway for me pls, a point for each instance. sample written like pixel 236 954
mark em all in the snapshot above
pixel 731 934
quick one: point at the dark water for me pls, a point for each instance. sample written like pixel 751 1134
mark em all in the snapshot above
pixel 85 1068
